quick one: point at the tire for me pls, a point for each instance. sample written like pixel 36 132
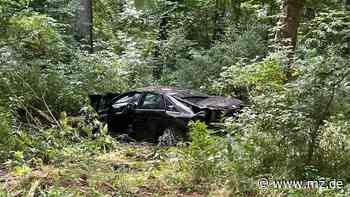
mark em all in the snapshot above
pixel 171 136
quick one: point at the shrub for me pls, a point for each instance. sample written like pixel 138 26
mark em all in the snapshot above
pixel 187 65
pixel 253 79
pixel 326 30
pixel 202 155
pixel 290 133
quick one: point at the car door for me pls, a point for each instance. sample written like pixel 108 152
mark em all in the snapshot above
pixel 120 118
pixel 148 116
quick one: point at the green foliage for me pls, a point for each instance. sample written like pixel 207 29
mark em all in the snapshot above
pixel 7 141
pixel 253 79
pixel 32 61
pixel 35 145
pixel 202 154
pixel 4 124
pixel 186 65
pixel 291 128
pixel 286 133
pixel 240 45
pixel 327 29
pixel 36 39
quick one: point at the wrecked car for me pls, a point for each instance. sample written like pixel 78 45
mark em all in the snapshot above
pixel 150 112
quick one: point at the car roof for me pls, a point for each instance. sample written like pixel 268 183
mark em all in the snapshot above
pixel 173 91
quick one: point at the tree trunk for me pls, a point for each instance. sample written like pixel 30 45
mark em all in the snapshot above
pixel 85 23
pixel 286 36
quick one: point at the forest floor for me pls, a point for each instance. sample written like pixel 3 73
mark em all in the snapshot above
pixel 134 169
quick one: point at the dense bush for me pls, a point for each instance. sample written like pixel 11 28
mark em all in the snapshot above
pixel 70 135
pixel 187 65
pixel 203 154
pixel 287 133
pixel 327 30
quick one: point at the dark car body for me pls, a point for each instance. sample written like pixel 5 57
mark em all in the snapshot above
pixel 145 113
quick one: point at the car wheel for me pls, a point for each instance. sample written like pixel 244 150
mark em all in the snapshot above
pixel 171 136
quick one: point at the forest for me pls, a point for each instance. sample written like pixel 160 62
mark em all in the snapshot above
pixel 286 60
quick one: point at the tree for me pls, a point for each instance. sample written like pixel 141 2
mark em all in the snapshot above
pixel 85 23
pixel 286 36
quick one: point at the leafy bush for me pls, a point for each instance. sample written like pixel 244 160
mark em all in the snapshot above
pixel 202 155
pixel 253 79
pixel 326 30
pixel 36 40
pixel 187 65
pixel 44 72
pixel 104 72
pixel 287 133
pixel 243 47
